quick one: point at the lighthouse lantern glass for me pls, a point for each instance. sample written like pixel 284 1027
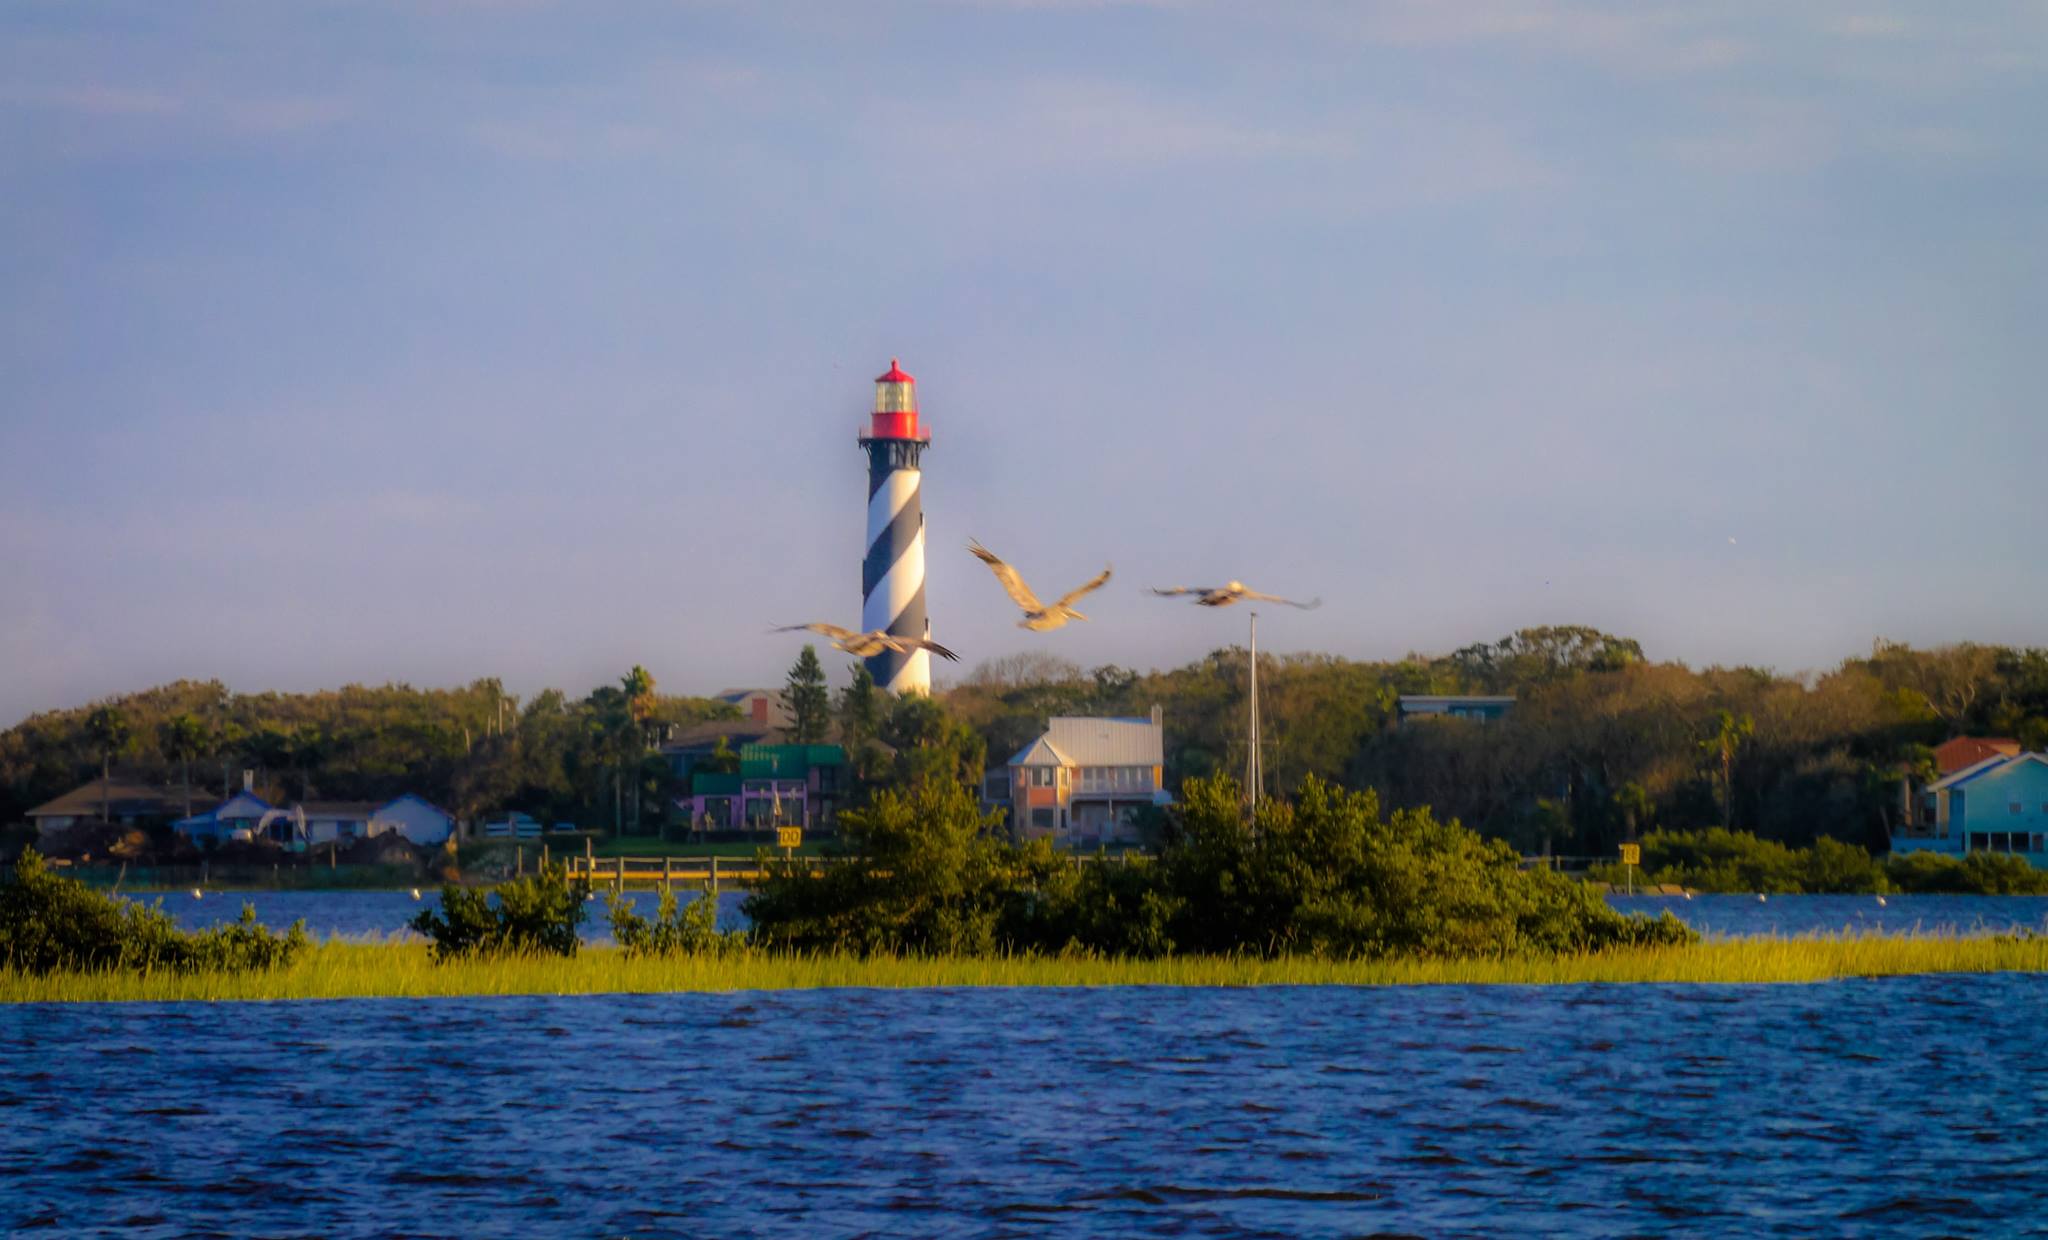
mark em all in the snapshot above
pixel 895 398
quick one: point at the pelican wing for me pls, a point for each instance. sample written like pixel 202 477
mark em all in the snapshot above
pixel 1013 585
pixel 904 645
pixel 832 631
pixel 1170 591
pixel 1093 584
pixel 1311 605
pixel 925 643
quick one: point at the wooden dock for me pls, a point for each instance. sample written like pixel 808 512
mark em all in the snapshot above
pixel 709 873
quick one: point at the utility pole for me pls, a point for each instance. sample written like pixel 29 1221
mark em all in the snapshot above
pixel 1253 775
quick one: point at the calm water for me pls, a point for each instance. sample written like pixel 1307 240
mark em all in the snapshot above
pixel 1899 1107
pixel 377 914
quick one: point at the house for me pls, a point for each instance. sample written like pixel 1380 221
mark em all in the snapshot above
pixel 1999 804
pixel 762 706
pixel 242 812
pixel 1430 707
pixel 311 823
pixel 127 802
pixel 776 785
pixel 416 818
pixel 687 749
pixel 1080 783
pixel 1951 756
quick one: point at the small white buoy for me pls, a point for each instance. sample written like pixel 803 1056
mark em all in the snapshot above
pixel 1880 902
pixel 1688 895
pixel 415 893
pixel 1760 897
pixel 195 893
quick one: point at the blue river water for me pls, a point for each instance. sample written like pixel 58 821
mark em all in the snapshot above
pixel 381 914
pixel 1904 1106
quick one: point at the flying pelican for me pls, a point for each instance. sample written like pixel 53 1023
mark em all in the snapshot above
pixel 1230 592
pixel 870 643
pixel 1037 616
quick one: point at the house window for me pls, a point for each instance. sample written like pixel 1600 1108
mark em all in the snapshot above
pixel 2014 807
pixel 1041 819
pixel 1041 776
pixel 2037 842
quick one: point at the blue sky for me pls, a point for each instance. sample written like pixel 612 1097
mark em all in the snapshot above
pixel 426 341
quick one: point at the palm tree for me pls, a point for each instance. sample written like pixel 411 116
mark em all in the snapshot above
pixel 108 729
pixel 609 727
pixel 183 738
pixel 1633 800
pixel 1730 733
pixel 638 688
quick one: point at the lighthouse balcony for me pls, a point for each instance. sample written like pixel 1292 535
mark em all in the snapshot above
pixel 914 432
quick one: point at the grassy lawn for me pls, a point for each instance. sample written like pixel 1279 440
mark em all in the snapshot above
pixel 404 970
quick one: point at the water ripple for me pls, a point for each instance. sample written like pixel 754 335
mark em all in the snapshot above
pixel 1900 1106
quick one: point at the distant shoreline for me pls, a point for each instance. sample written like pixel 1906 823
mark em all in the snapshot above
pixel 339 970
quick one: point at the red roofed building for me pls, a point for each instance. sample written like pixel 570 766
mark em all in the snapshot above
pixel 1953 755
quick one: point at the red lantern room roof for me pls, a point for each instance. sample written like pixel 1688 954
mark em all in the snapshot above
pixel 896 374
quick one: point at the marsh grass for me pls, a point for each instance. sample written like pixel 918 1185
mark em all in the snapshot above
pixel 339 970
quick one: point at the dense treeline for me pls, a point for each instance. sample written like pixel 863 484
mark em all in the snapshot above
pixel 1324 874
pixel 1717 860
pixel 1602 742
pixel 474 750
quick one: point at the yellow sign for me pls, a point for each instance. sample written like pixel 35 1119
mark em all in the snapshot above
pixel 789 837
pixel 1631 854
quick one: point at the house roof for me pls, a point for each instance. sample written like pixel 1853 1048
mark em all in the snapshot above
pixel 1082 740
pixel 1090 741
pixel 1997 763
pixel 1039 753
pixel 127 796
pixel 248 804
pixel 416 799
pixel 1964 751
pixel 341 809
pixel 737 733
pixel 787 761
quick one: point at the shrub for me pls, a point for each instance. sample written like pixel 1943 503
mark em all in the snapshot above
pixel 1322 875
pixel 527 916
pixel 1720 860
pixel 1978 873
pixel 923 875
pixel 677 930
pixel 1327 875
pixel 50 923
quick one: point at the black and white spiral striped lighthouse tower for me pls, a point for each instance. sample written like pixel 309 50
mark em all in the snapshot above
pixel 892 576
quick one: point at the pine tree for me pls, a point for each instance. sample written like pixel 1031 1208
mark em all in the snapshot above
pixel 860 719
pixel 808 701
pixel 860 711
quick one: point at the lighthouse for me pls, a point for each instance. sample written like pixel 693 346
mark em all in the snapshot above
pixel 892 575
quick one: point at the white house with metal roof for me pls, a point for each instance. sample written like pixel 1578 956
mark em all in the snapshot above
pixel 1079 783
pixel 248 816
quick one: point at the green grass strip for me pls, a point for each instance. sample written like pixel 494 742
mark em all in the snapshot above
pixel 339 970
